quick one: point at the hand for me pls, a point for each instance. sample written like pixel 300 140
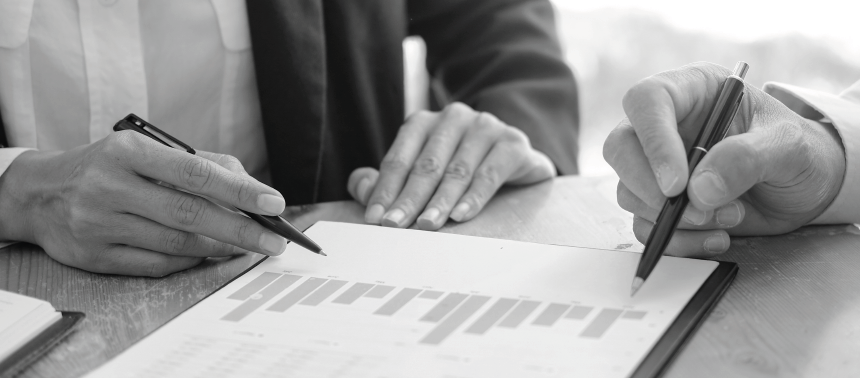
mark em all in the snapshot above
pixel 773 173
pixel 447 163
pixel 96 207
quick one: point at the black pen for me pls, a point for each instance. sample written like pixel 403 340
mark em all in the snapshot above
pixel 714 130
pixel 275 224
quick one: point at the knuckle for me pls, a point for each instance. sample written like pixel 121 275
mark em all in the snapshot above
pixel 427 166
pixel 457 108
pixel 385 195
pixel 515 135
pixel 458 170
pixel 187 210
pixel 489 175
pixel 195 174
pixel 242 190
pixel 244 233
pixel 394 163
pixel 419 116
pixel 176 242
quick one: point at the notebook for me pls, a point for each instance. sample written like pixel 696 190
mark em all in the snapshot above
pixel 28 328
pixel 409 303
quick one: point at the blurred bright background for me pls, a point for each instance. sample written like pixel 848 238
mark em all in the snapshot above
pixel 612 44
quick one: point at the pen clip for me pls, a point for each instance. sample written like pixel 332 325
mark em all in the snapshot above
pixel 135 123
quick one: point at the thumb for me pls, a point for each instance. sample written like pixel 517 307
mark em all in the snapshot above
pixel 729 169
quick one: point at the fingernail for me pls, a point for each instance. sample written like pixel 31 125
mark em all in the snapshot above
pixel 374 214
pixel 271 204
pixel 428 219
pixel 729 215
pixel 272 243
pixel 715 244
pixel 362 189
pixel 460 211
pixel 695 216
pixel 393 218
pixel 666 177
pixel 708 187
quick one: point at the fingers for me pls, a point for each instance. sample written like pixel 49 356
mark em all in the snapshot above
pixel 199 175
pixel 429 167
pixel 131 261
pixel 361 183
pixel 458 175
pixel 651 111
pixel 397 163
pixel 500 162
pixel 725 217
pixel 625 155
pixel 143 233
pixel 193 214
pixel 687 243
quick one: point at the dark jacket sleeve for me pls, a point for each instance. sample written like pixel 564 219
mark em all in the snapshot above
pixel 503 57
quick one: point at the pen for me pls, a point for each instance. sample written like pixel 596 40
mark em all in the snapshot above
pixel 275 224
pixel 714 130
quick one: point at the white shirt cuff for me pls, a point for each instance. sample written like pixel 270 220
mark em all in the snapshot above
pixel 7 155
pixel 843 111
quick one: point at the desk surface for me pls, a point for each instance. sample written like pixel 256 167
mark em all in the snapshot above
pixel 793 311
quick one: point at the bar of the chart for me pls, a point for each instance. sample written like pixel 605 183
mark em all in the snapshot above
pixel 518 314
pixel 250 305
pixel 354 292
pixel 443 307
pixel 636 315
pixel 322 293
pixel 297 294
pixel 254 286
pixel 430 294
pixel 601 323
pixel 379 291
pixel 578 312
pixel 551 314
pixel 457 318
pixel 496 312
pixel 397 302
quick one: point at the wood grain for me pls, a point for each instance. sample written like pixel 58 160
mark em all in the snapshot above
pixel 793 311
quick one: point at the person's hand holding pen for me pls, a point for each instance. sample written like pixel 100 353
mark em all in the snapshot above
pixel 444 165
pixel 95 207
pixel 774 172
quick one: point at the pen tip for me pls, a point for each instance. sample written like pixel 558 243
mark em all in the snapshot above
pixel 637 283
pixel 322 253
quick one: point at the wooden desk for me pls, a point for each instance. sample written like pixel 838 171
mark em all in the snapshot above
pixel 794 310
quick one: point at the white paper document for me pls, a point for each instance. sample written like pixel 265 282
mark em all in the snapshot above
pixel 407 303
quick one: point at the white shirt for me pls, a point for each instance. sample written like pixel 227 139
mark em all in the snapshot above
pixel 71 69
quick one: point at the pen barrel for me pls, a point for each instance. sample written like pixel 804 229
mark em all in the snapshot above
pixel 661 233
pixel 720 117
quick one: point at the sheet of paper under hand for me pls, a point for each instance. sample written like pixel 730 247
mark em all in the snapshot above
pixel 408 303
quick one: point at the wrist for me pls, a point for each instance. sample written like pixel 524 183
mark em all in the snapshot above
pixel 832 158
pixel 24 188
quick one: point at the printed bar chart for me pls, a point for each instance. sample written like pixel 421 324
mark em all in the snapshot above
pixel 489 319
pixel 552 313
pixel 353 293
pixel 450 312
pixel 447 327
pixel 396 303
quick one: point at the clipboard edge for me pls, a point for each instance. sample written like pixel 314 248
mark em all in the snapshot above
pixel 36 348
pixel 676 337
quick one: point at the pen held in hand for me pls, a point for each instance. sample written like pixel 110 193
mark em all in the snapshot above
pixel 716 126
pixel 275 223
